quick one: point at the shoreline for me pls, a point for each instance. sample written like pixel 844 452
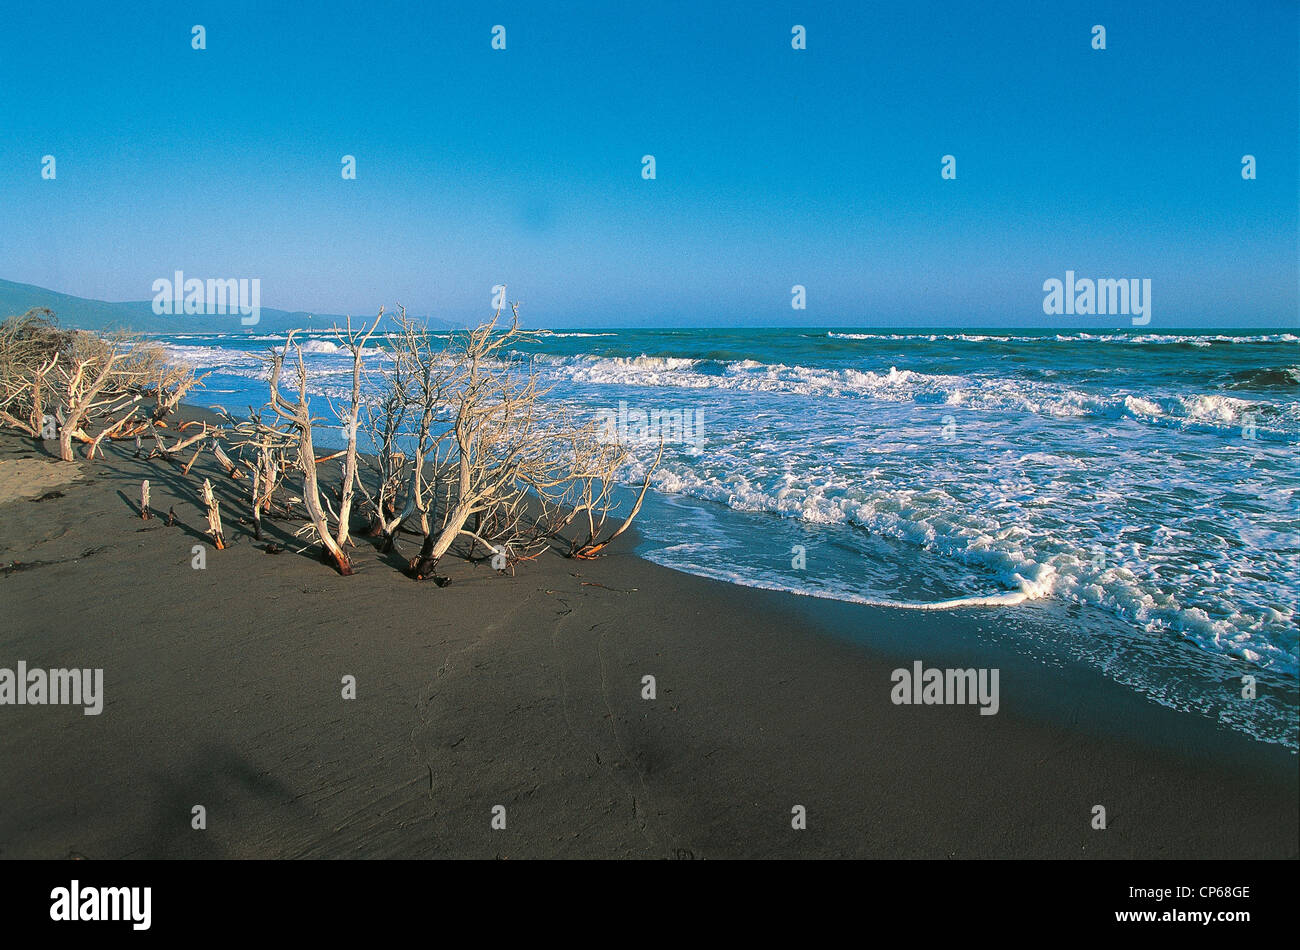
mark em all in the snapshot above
pixel 222 689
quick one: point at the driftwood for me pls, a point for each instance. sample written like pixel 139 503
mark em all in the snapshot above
pixel 263 450
pixel 214 516
pixel 193 458
pixel 91 385
pixel 127 427
pixel 172 385
pixel 385 421
pixel 257 504
pixel 161 448
pixel 144 500
pixel 231 469
pixel 595 500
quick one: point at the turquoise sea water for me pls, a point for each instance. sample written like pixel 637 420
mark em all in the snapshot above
pixel 1139 490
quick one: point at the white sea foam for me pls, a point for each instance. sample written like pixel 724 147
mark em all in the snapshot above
pixel 895 385
pixel 1195 339
pixel 558 335
pixel 330 348
pixel 1024 534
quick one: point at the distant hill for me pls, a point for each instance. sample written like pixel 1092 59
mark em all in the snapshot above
pixel 84 314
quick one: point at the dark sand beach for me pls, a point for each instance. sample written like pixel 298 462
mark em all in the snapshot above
pixel 223 689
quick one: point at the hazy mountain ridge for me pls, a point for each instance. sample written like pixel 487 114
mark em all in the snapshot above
pixel 86 314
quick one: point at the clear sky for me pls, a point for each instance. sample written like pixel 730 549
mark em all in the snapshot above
pixel 774 167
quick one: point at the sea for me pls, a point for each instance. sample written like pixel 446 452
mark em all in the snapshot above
pixel 1136 491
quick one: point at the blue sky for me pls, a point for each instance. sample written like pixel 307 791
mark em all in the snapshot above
pixel 774 167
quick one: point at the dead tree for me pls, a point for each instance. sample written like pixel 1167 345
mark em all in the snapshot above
pixel 595 502
pixel 297 416
pixel 467 395
pixel 31 347
pixel 263 450
pixel 504 468
pixel 172 383
pixel 354 341
pixel 86 390
pixel 385 425
pixel 61 385
pixel 504 445
pixel 420 379
pixel 100 378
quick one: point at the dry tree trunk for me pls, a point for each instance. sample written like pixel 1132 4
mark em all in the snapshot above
pixel 414 494
pixel 193 458
pixel 214 515
pixel 80 395
pixel 231 469
pixel 298 415
pixel 355 343
pixel 503 446
pixel 311 500
pixel 144 500
pixel 478 397
pixel 38 394
pixel 38 391
pixel 272 471
pixel 257 504
pixel 162 449
pixel 385 423
pixel 419 383
pixel 383 506
pixel 159 446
